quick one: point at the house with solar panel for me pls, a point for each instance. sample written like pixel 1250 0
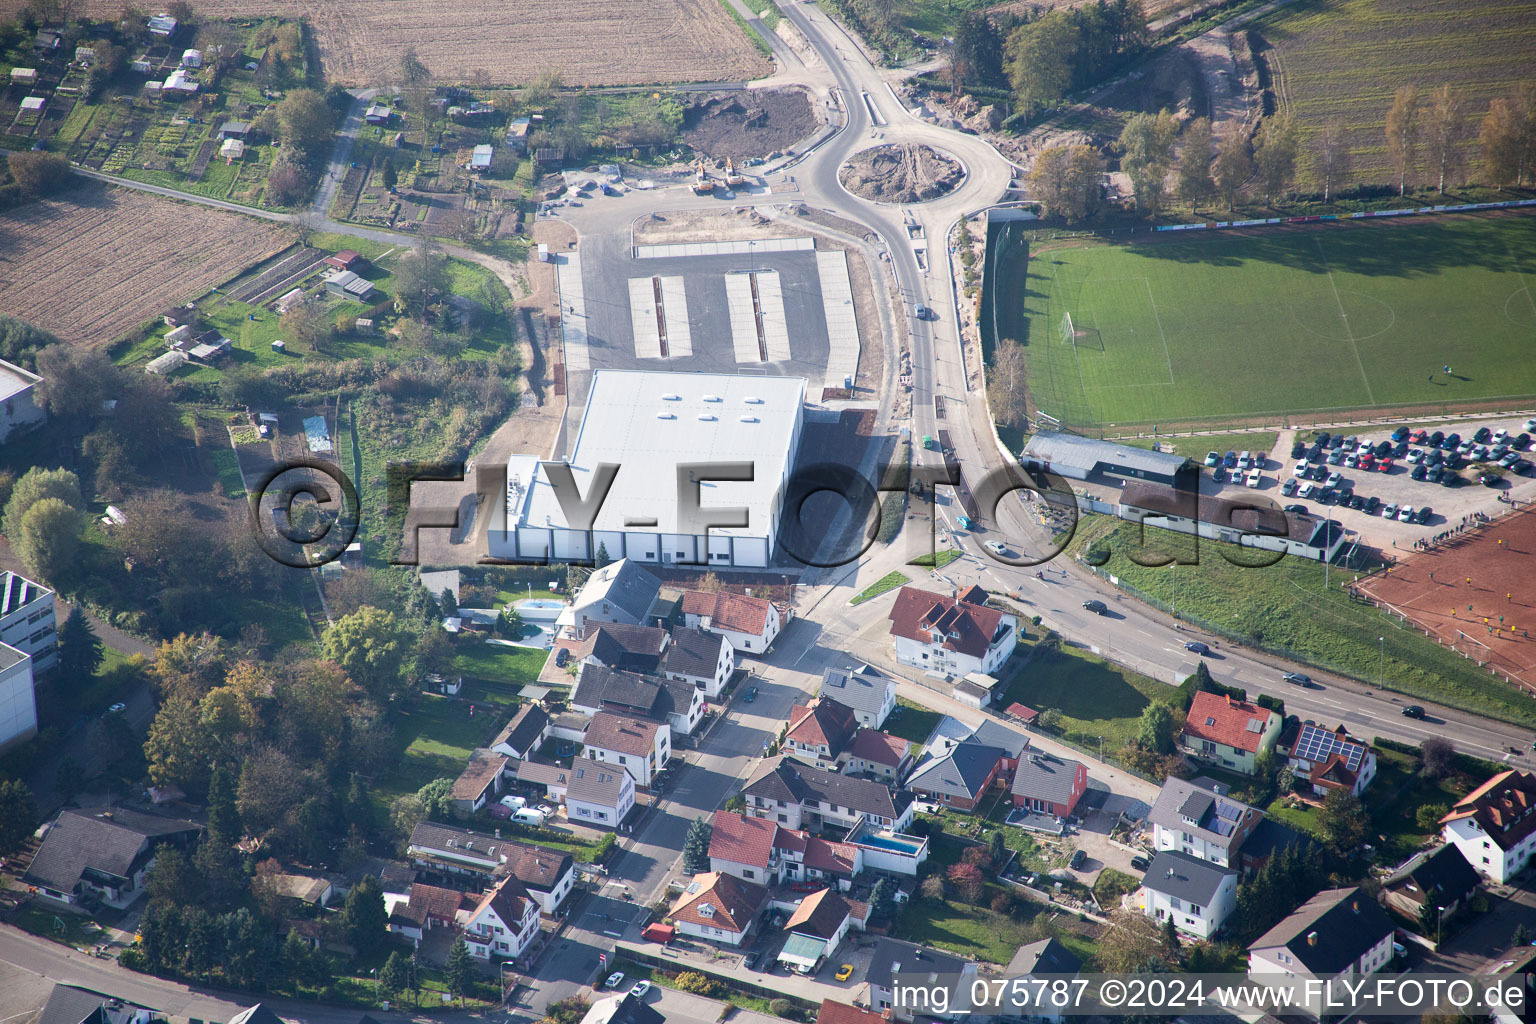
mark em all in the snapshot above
pixel 1200 822
pixel 1327 759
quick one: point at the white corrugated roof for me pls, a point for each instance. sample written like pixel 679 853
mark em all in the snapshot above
pixel 1086 453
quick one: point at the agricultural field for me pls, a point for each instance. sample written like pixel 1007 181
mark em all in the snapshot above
pixel 1341 60
pixel 1273 323
pixel 98 262
pixel 585 42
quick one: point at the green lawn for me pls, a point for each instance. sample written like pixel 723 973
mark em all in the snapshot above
pixel 227 466
pixel 1094 697
pixel 434 738
pixel 76 931
pixel 1284 608
pixel 498 664
pixel 1196 447
pixel 1188 331
pixel 937 560
pixel 963 929
pixel 912 722
pixel 890 581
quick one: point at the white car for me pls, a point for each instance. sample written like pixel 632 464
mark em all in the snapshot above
pixel 528 816
pixel 1334 480
pixel 615 979
pixel 1530 424
pixel 1405 514
pixel 1245 460
pixel 1416 455
pixel 997 547
pixel 1308 489
pixel 1255 477
pixel 1302 468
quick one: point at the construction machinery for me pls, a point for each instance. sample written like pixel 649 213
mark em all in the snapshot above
pixel 703 184
pixel 733 176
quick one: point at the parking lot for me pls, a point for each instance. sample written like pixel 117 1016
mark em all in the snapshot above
pixel 1395 486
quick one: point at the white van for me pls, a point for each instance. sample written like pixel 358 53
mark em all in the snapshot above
pixel 528 816
pixel 514 803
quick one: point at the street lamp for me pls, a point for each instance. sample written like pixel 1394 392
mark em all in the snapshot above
pixel 1381 657
pixel 1101 749
pixel 1439 915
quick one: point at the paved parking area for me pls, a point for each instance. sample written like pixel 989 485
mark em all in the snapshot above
pixel 1450 504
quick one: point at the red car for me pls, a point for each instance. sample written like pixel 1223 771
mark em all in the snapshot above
pixel 807 886
pixel 1367 461
pixel 1384 465
pixel 1418 437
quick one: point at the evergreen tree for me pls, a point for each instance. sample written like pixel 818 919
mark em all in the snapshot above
pixel 223 818
pixel 70 779
pixel 1521 936
pixel 364 918
pixel 696 847
pixel 80 650
pixel 882 905
pixel 394 976
pixel 390 177
pixel 996 848
pixel 18 815
pixel 459 971
pixel 602 558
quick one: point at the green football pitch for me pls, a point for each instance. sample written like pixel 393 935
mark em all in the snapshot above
pixel 1337 316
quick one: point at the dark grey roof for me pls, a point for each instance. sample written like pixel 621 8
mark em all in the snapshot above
pixel 537 867
pixel 1184 877
pixel 963 771
pixel 1440 874
pixel 432 836
pixel 1330 931
pixel 601 686
pixel 257 1014
pixel 1270 837
pixel 1044 957
pixel 627 588
pixel 791 780
pixel 70 1005
pixel 524 728
pixel 107 841
pixel 1184 807
pixel 863 688
pixel 693 653
pixel 632 1011
pixel 893 956
pixel 1046 777
pixel 997 734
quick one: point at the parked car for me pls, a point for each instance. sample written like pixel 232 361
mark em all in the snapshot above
pixel 1289 487
pixel 1335 459
pixel 1357 501
pixel 1406 514
pixel 1212 458
pixel 1423 515
pixel 1416 456
pixel 640 990
pixel 1199 648
pixel 1307 490
pixel 750 695
pixel 1229 460
pixel 1255 477
pixel 1418 437
pixel 1335 480
pixel 1079 858
pixel 1302 469
pixel 1413 711
pixel 615 979
pixel 1434 439
pixel 1297 679
pixel 1298 449
pixel 529 816
pixel 1400 434
pixel 1352 460
pixel 1419 472
pixel 1372 504
pixel 1140 862
pixel 1245 460
pixel 1481 435
pixel 515 803
pixel 1389 510
pixel 1096 606
pixel 1530 424
pixel 843 973
pixel 1219 475
pixel 1327 496
pixel 1300 510
pixel 1384 464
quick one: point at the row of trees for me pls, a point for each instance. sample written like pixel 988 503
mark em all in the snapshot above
pixel 1064 50
pixel 1424 133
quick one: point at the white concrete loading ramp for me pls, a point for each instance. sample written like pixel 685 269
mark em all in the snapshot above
pixel 842 320
pixel 770 300
pixel 642 315
pixel 738 296
pixel 573 313
pixel 674 299
pixel 741 248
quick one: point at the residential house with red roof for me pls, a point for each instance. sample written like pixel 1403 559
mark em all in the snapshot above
pixel 951 636
pixel 820 731
pixel 719 908
pixel 744 847
pixel 749 623
pixel 816 929
pixel 480 782
pixel 504 922
pixel 877 754
pixel 641 745
pixel 1229 732
pixel 425 908
pixel 1494 826
pixel 843 1013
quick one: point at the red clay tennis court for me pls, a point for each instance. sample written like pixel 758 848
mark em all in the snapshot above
pixel 1475 592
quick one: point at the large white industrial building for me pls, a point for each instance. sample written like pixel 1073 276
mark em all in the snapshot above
pixel 648 424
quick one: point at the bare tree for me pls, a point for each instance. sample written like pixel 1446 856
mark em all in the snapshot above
pixel 1065 181
pixel 1006 383
pixel 307 224
pixel 307 322
pixel 459 224
pixel 1234 161
pixel 1331 159
pixel 1444 130
pixel 1404 126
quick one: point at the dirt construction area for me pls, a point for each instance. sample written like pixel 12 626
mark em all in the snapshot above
pixel 746 125
pixel 901 174
pixel 94 264
pixel 1475 592
pixel 587 42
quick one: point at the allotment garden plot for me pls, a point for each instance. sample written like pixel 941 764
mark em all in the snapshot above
pixel 1272 323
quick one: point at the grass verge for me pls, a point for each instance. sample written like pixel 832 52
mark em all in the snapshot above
pixel 890 581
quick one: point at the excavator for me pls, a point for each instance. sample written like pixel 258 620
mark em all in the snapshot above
pixel 733 176
pixel 703 184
